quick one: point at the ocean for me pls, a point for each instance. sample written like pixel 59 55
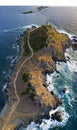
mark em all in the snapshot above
pixel 12 24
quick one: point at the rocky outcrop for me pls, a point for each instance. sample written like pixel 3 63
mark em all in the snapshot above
pixel 46 63
pixel 74 46
pixel 57 116
pixel 64 90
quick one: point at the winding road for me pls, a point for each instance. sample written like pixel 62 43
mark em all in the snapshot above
pixel 14 106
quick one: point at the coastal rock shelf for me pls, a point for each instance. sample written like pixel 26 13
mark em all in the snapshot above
pixel 42 46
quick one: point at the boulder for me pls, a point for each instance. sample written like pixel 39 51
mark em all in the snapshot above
pixel 38 120
pixel 34 27
pixel 64 90
pixel 57 116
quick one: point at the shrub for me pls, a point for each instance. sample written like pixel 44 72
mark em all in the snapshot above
pixel 25 77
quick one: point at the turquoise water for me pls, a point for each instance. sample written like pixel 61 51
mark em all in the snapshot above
pixel 12 24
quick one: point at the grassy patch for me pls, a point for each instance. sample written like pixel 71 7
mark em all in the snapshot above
pixel 32 96
pixel 25 77
pixel 26 48
pixel 26 92
pixel 30 92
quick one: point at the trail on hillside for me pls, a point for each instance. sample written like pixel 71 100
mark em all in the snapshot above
pixel 14 106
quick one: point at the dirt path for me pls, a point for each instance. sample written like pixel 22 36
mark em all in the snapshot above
pixel 14 106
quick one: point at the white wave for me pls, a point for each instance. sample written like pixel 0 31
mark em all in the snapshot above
pixel 17 28
pixel 60 66
pixel 10 57
pixel 14 60
pixel 4 87
pixel 72 66
pixel 49 81
pixel 46 124
pixel 72 62
pixel 32 126
pixel 18 48
pixel 14 46
pixel 69 101
pixel 28 26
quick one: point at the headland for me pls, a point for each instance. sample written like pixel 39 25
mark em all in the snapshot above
pixel 29 99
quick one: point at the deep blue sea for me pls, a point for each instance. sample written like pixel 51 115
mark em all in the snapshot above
pixel 12 24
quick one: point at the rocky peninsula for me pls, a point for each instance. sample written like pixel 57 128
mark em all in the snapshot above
pixel 29 98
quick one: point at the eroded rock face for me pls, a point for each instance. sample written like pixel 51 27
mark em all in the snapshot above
pixel 58 101
pixel 57 116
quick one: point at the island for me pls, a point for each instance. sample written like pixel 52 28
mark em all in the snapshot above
pixel 28 96
pixel 42 7
pixel 27 12
pixel 38 9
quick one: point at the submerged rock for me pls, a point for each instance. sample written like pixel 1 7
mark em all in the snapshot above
pixel 64 90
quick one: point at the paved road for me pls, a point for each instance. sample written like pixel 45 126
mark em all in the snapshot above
pixel 14 106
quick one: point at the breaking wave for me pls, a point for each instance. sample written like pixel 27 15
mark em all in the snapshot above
pixel 22 28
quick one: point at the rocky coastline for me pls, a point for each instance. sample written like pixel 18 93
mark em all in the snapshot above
pixel 34 92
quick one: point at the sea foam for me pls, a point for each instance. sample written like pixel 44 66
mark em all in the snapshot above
pixel 46 124
pixel 4 87
pixel 50 82
pixel 72 62
pixel 22 28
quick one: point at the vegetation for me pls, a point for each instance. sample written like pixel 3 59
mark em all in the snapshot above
pixel 26 48
pixel 45 36
pixel 30 92
pixel 26 92
pixel 38 38
pixel 28 12
pixel 32 96
pixel 25 77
